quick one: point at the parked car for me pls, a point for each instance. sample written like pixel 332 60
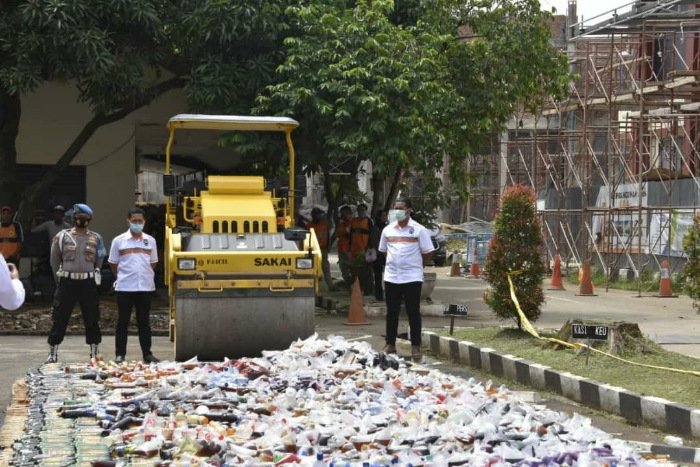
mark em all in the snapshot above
pixel 440 245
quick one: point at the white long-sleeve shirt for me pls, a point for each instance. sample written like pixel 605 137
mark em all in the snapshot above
pixel 11 290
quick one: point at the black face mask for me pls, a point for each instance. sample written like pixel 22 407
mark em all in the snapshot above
pixel 82 223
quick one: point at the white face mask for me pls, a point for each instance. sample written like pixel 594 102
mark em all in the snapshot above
pixel 135 228
pixel 397 215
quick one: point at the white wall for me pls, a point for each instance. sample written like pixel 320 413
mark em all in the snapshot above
pixel 52 118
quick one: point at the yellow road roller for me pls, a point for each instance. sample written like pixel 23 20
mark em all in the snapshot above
pixel 241 278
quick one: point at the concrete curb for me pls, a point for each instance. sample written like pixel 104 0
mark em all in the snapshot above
pixel 676 453
pixel 426 309
pixel 637 409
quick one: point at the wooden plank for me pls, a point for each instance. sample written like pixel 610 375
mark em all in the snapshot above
pixel 15 421
pixel 682 81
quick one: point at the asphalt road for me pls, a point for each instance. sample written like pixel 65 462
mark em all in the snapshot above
pixel 19 353
pixel 669 321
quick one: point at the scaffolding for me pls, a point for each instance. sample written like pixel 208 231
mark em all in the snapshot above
pixel 615 165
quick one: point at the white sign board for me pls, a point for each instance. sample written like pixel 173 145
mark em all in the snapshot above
pixel 620 231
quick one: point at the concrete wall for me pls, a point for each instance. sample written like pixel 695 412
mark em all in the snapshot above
pixel 52 117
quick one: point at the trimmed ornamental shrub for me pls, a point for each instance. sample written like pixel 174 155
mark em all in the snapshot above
pixel 691 272
pixel 516 248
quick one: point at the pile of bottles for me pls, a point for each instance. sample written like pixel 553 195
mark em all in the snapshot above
pixel 50 439
pixel 321 402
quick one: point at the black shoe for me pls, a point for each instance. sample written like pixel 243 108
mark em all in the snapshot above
pixel 94 351
pixel 53 354
pixel 120 359
pixel 150 358
pixel 416 352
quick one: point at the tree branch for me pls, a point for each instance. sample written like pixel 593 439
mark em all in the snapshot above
pixel 34 191
pixel 332 213
pixel 393 190
pixel 10 113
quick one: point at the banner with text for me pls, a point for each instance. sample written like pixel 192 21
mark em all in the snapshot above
pixel 620 230
pixel 667 230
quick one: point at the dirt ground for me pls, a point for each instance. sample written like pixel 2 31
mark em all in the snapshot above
pixel 34 318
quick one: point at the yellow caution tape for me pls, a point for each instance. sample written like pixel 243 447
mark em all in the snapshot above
pixel 525 324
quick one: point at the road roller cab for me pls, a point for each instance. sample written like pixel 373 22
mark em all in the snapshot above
pixel 241 279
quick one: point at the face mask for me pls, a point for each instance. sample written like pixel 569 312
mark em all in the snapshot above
pixel 136 228
pixel 82 222
pixel 397 215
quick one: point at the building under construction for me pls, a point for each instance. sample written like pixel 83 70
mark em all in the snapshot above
pixel 615 165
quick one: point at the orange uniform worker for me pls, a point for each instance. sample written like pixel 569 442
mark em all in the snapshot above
pixel 11 236
pixel 321 227
pixel 360 228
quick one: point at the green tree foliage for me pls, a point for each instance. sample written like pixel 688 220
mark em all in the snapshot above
pixel 123 54
pixel 516 249
pixel 691 272
pixel 394 84
pixel 400 87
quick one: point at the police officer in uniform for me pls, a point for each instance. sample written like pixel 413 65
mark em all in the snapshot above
pixel 76 258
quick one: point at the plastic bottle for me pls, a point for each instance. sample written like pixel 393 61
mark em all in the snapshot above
pixel 319 460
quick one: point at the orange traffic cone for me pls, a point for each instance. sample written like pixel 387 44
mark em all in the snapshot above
pixel 456 270
pixel 665 282
pixel 474 270
pixel 556 275
pixel 585 284
pixel 356 315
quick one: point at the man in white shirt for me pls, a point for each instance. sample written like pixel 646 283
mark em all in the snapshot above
pixel 408 248
pixel 133 257
pixel 11 289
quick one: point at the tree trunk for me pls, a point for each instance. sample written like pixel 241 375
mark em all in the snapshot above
pixel 393 190
pixel 332 214
pixel 377 193
pixel 622 336
pixel 32 194
pixel 10 113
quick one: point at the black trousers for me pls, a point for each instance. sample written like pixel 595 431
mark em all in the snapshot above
pixel 68 292
pixel 410 294
pixel 378 267
pixel 364 274
pixel 126 302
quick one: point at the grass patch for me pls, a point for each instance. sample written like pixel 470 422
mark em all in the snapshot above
pixel 598 279
pixel 646 381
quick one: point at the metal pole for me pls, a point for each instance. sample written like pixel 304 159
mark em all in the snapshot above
pixel 292 168
pixel 640 162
